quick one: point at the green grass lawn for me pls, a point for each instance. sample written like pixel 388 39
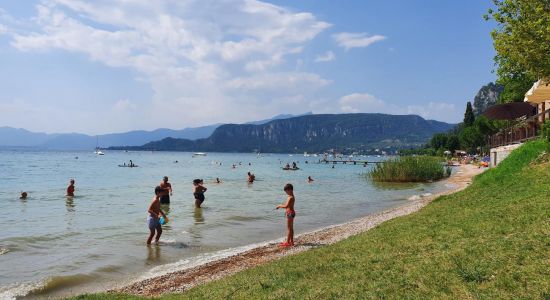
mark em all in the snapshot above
pixel 492 240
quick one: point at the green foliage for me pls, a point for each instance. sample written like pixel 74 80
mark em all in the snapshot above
pixel 522 36
pixel 522 42
pixel 516 84
pixel 409 169
pixel 545 131
pixel 439 140
pixel 453 142
pixel 469 116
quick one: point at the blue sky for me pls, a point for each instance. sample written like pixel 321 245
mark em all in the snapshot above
pixel 110 66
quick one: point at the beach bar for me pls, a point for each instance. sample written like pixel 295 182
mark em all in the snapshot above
pixel 525 127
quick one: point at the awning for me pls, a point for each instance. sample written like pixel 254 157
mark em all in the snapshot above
pixel 539 93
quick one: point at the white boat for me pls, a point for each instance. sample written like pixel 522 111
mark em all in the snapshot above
pixel 199 154
pixel 97 149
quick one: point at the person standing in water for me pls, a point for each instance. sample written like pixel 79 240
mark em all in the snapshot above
pixel 153 217
pixel 251 177
pixel 166 191
pixel 198 192
pixel 290 214
pixel 70 188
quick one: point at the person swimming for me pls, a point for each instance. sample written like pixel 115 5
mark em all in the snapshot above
pixel 309 179
pixel 218 180
pixel 23 196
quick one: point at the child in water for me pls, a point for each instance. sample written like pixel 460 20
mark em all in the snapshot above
pixel 153 219
pixel 290 214
pixel 198 192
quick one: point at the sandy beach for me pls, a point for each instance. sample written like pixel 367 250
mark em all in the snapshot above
pixel 183 280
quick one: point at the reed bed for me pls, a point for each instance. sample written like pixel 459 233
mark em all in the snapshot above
pixel 410 169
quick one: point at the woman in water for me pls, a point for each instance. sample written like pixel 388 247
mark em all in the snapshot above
pixel 198 192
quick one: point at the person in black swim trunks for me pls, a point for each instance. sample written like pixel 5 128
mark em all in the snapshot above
pixel 198 192
pixel 166 191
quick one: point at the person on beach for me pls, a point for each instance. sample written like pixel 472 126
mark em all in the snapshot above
pixel 198 192
pixel 309 179
pixel 153 217
pixel 70 188
pixel 166 191
pixel 251 177
pixel 290 214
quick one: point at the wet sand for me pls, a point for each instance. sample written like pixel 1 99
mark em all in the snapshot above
pixel 180 281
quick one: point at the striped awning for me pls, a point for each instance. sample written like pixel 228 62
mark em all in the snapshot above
pixel 539 93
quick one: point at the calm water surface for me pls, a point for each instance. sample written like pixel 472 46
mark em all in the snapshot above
pixel 52 246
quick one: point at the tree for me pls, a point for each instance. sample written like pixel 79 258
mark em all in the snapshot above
pixel 471 138
pixel 469 116
pixel 522 42
pixel 515 82
pixel 453 143
pixel 438 141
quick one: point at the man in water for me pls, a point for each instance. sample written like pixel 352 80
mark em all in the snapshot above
pixel 70 189
pixel 309 179
pixel 166 191
pixel 23 196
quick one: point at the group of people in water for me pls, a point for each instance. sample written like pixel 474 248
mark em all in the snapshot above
pixel 156 216
pixel 163 191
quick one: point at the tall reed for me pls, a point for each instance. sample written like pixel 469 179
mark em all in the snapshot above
pixel 409 169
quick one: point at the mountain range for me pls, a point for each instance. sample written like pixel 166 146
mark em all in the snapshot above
pixel 17 137
pixel 310 133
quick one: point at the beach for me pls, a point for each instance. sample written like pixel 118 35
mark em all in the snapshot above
pixel 182 280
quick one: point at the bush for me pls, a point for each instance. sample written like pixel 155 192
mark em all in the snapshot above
pixel 409 169
pixel 546 130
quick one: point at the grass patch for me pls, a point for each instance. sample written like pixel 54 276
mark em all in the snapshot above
pixel 410 169
pixel 489 241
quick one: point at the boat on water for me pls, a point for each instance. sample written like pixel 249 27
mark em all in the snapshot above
pixel 199 154
pixel 97 149
pixel 290 169
pixel 128 166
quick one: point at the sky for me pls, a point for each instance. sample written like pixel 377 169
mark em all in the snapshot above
pixel 117 65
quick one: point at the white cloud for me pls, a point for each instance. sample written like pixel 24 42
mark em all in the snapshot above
pixel 327 56
pixel 367 103
pixel 3 29
pixel 350 40
pixel 203 59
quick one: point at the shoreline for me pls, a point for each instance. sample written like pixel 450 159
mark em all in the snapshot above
pixel 185 279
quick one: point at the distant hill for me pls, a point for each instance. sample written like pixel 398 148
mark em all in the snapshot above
pixel 311 133
pixel 14 137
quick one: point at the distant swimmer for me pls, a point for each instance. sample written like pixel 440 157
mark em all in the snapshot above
pixel 23 196
pixel 309 179
pixel 233 166
pixel 218 180
pixel 70 188
pixel 294 165
pixel 153 217
pixel 176 162
pixel 166 191
pixel 287 166
pixel 198 192
pixel 251 177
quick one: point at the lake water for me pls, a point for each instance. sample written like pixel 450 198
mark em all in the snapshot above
pixel 52 246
